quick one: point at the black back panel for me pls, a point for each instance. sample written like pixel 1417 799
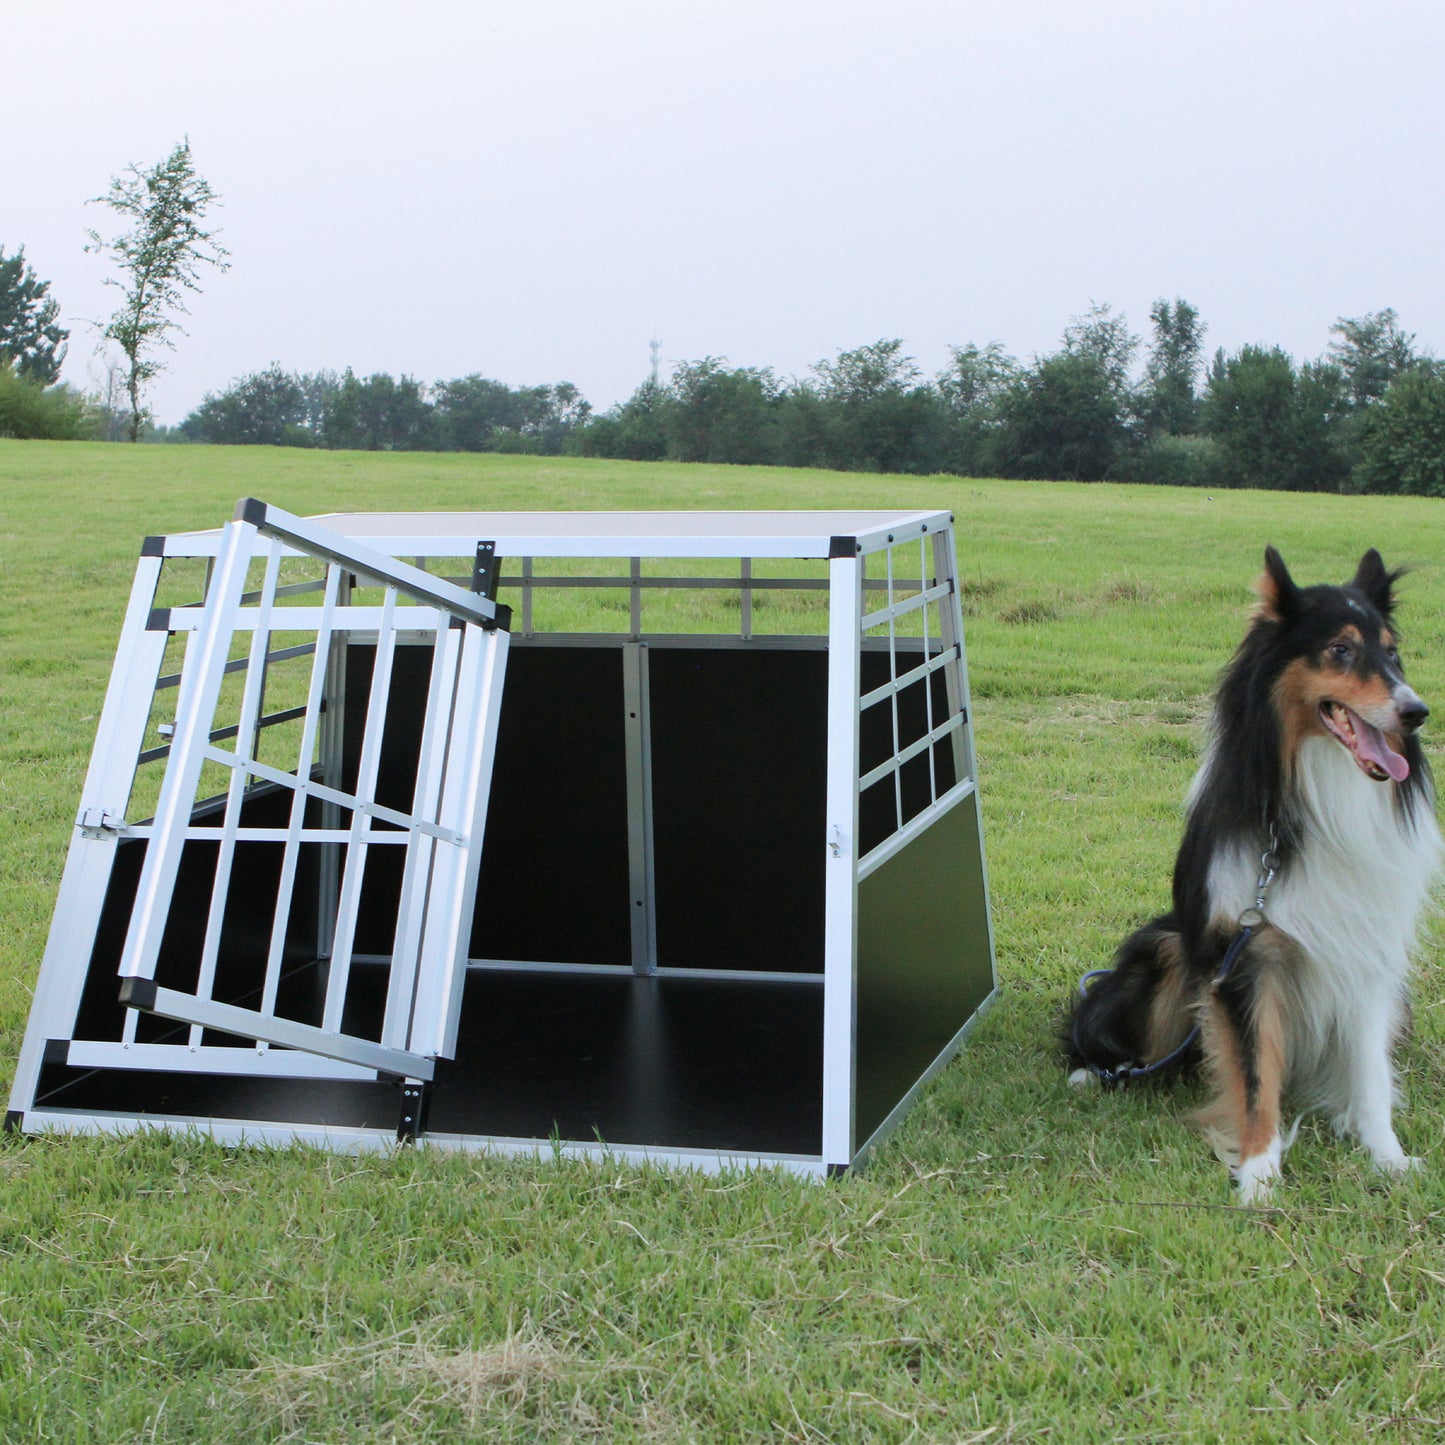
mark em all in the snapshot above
pixel 739 776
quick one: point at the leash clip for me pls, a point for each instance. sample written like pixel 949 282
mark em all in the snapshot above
pixel 1268 871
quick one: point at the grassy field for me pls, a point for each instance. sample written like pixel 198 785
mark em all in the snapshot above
pixel 1019 1264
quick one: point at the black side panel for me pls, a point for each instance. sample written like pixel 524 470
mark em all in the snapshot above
pixel 554 864
pixel 924 965
pixel 739 778
pixel 553 886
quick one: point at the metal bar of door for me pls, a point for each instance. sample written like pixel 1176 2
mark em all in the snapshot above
pixel 440 831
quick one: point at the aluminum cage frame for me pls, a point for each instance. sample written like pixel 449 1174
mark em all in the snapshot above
pixel 906 883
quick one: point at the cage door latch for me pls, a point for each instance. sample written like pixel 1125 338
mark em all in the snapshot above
pixel 100 823
pixel 836 841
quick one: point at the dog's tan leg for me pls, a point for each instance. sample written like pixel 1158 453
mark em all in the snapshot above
pixel 1170 1016
pixel 1242 1030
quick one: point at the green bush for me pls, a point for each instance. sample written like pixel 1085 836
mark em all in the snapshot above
pixel 30 412
pixel 1182 461
pixel 1402 441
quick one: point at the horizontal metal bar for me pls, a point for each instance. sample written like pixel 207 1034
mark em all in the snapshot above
pixel 705 1161
pixel 358 1137
pixel 200 833
pixel 244 1023
pixel 356 557
pixel 183 1058
pixel 240 664
pixel 916 674
pixel 765 642
pixel 225 1131
pixel 624 970
pixel 911 751
pixel 289 589
pixel 314 789
pixel 309 619
pixel 736 584
pixel 722 535
pixel 910 604
pixel 270 720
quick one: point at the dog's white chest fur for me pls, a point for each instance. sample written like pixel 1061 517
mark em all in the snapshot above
pixel 1351 896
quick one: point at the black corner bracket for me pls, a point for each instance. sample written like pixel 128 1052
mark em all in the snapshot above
pixel 138 992
pixel 843 547
pixel 415 1097
pixel 485 570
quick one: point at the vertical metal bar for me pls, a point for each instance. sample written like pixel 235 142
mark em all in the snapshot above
pixel 420 851
pixel 893 696
pixel 246 733
pixel 120 732
pixel 471 751
pixel 925 582
pixel 955 673
pixel 332 744
pixel 845 607
pixel 635 601
pixel 526 596
pixel 197 707
pixel 637 726
pixel 746 625
pixel 349 900
pixel 119 736
pixel 292 847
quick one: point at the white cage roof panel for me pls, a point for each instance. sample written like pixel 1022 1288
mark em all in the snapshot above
pixel 818 534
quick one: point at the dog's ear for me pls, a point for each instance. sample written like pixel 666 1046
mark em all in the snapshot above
pixel 1277 591
pixel 1376 583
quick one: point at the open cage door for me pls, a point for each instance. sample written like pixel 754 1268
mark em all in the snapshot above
pixel 325 821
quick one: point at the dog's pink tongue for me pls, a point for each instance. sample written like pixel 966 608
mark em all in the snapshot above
pixel 1373 748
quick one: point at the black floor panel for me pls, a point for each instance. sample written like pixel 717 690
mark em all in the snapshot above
pixel 667 1063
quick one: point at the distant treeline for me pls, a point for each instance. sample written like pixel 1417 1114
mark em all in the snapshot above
pixel 1368 416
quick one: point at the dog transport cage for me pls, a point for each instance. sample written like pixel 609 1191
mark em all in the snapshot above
pixel 653 832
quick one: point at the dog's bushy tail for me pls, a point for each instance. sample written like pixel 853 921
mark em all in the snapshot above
pixel 1139 1010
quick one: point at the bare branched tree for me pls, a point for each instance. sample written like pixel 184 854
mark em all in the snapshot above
pixel 160 257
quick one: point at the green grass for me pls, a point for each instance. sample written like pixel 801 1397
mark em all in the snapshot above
pixel 1019 1264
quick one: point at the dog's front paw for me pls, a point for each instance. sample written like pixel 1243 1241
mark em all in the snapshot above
pixel 1398 1164
pixel 1256 1175
pixel 1082 1079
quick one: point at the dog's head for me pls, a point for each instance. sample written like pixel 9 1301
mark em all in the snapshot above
pixel 1337 670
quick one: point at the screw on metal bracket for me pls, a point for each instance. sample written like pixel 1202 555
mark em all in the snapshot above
pixel 100 823
pixel 413 1112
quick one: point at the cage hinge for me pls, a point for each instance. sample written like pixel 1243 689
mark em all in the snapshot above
pixel 100 823
pixel 413 1111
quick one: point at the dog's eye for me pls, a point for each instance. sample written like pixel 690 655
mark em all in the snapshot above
pixel 1393 653
pixel 1340 651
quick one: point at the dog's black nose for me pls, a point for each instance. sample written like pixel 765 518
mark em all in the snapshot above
pixel 1412 713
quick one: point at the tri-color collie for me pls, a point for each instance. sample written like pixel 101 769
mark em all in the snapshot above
pixel 1312 755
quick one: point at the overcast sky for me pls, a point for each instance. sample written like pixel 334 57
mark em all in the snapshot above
pixel 533 189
